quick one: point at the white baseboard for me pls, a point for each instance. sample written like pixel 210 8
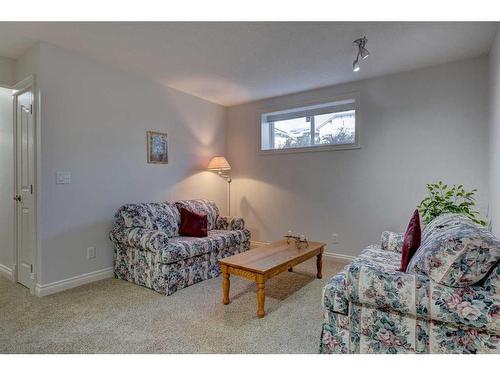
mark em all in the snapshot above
pixel 72 282
pixel 341 258
pixel 7 272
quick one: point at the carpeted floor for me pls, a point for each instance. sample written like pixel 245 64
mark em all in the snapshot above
pixel 114 316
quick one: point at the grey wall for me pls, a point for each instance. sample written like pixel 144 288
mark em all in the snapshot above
pixel 6 71
pixel 27 64
pixel 495 135
pixel 93 124
pixel 416 127
pixel 6 180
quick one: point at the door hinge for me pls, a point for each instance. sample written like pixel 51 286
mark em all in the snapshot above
pixel 31 268
pixel 31 189
pixel 31 109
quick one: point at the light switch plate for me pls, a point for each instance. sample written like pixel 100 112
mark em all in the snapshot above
pixel 63 178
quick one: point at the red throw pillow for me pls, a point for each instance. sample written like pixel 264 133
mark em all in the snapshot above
pixel 411 241
pixel 193 224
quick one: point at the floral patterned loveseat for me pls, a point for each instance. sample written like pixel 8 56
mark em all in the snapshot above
pixel 448 301
pixel 150 252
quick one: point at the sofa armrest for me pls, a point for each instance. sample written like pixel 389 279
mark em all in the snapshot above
pixel 387 290
pixel 392 241
pixel 230 223
pixel 418 296
pixel 145 239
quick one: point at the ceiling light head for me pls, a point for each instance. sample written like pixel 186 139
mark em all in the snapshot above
pixel 355 66
pixel 362 52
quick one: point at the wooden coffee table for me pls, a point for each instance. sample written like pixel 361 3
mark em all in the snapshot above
pixel 262 263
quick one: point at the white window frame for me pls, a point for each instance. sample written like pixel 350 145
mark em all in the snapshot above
pixel 291 106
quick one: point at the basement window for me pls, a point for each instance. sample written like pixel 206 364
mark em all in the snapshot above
pixel 319 127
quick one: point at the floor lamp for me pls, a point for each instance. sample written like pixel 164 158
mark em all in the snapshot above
pixel 219 164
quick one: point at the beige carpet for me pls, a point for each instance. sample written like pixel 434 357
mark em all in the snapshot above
pixel 114 316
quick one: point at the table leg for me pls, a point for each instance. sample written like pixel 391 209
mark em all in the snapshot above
pixel 225 287
pixel 261 298
pixel 319 265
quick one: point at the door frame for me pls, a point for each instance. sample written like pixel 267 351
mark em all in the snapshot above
pixel 27 84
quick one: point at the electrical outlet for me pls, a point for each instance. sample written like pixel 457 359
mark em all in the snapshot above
pixel 90 252
pixel 335 238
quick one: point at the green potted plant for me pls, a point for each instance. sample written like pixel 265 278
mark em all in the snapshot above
pixel 453 199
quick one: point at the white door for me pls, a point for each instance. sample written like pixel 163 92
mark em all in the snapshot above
pixel 25 174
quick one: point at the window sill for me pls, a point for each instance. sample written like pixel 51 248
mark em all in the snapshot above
pixel 310 149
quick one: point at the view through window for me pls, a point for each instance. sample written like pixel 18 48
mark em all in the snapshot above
pixel 330 125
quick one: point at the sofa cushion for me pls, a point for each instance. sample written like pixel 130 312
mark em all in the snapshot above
pixel 161 216
pixel 165 217
pixel 444 221
pixel 455 252
pixel 411 241
pixel 202 206
pixel 193 224
pixel 135 215
pixel 229 223
pixel 182 247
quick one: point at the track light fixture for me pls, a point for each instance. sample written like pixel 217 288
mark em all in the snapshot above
pixel 362 52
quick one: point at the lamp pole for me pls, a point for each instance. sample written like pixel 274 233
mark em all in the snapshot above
pixel 228 180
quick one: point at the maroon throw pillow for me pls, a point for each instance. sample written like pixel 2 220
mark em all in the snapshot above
pixel 193 224
pixel 411 241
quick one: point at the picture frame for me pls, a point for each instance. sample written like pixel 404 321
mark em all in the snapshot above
pixel 157 147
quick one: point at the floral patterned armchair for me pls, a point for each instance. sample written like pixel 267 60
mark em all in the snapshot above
pixel 149 251
pixel 447 301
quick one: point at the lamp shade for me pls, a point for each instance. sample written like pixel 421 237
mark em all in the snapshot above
pixel 218 163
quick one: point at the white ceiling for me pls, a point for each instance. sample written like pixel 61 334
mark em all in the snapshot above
pixel 232 63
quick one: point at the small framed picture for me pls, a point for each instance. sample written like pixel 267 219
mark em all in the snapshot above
pixel 157 148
